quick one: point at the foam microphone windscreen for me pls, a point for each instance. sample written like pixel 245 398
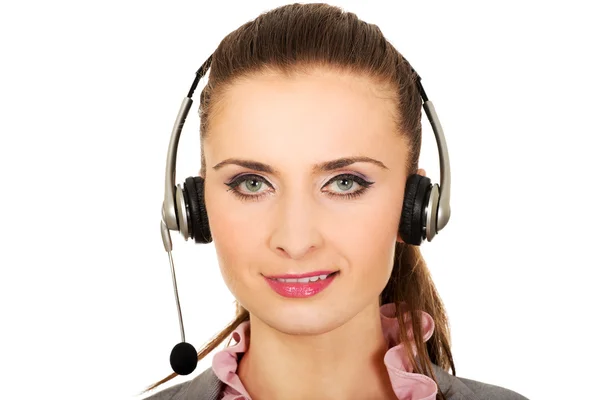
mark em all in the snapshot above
pixel 184 358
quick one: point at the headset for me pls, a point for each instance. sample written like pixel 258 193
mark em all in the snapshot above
pixel 425 209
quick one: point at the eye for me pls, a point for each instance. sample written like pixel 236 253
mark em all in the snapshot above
pixel 345 182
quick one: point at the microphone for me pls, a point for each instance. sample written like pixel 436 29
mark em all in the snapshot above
pixel 184 356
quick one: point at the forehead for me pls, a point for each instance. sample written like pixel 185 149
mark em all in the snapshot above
pixel 317 113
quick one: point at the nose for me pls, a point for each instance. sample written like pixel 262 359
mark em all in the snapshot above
pixel 296 232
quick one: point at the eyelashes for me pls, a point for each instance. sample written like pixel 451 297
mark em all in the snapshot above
pixel 234 186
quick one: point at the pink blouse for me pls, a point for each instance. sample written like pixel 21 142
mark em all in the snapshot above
pixel 407 385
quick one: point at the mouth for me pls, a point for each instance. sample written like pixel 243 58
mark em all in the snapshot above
pixel 305 278
pixel 305 286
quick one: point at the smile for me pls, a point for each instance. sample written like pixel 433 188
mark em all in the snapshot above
pixel 305 279
pixel 301 287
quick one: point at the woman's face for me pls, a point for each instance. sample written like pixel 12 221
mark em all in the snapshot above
pixel 297 219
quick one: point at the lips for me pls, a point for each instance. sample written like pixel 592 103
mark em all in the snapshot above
pixel 298 276
pixel 306 286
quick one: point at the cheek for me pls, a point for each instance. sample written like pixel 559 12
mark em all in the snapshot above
pixel 239 250
pixel 229 238
pixel 371 248
pixel 371 242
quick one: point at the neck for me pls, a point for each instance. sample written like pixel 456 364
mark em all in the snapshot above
pixel 345 363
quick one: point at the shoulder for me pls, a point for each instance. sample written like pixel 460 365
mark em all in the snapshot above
pixel 491 392
pixel 457 388
pixel 205 386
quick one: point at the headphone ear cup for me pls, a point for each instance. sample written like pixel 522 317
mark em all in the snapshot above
pixel 199 228
pixel 412 222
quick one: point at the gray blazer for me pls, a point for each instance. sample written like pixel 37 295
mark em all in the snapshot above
pixel 207 386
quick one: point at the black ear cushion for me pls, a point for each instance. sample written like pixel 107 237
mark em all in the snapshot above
pixel 416 196
pixel 198 226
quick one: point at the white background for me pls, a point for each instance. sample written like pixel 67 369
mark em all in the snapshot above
pixel 89 92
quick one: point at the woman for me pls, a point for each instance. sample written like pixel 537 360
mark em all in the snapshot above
pixel 299 86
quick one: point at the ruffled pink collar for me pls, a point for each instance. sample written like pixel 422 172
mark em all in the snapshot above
pixel 407 385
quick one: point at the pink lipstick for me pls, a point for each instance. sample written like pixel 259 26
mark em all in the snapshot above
pixel 301 285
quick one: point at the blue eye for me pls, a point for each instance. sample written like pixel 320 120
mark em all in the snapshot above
pixel 252 182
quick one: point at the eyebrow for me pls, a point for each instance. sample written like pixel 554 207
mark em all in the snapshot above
pixel 317 168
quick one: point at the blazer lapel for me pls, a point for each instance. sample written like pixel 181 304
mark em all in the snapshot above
pixel 205 386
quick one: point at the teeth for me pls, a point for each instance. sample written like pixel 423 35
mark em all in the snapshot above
pixel 304 280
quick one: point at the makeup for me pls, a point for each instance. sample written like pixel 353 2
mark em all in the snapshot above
pixel 301 286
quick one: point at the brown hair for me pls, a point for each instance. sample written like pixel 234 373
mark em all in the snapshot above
pixel 296 38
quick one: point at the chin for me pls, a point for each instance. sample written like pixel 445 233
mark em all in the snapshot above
pixel 302 317
pixel 306 325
